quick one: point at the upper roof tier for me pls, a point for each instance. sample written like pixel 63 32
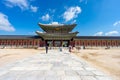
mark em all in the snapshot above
pixel 57 28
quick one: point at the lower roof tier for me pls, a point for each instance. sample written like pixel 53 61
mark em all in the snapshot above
pixel 59 36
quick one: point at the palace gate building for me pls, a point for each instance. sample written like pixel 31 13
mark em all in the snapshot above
pixel 57 35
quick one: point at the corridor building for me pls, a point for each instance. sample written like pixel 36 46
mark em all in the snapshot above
pixel 57 35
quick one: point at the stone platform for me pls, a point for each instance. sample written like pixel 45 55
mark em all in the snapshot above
pixel 55 65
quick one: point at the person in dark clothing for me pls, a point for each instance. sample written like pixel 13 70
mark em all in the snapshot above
pixel 70 47
pixel 46 48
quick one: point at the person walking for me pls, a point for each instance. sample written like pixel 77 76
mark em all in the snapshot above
pixel 46 47
pixel 70 47
pixel 60 48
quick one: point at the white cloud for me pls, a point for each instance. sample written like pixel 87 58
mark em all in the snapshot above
pixel 23 4
pixel 46 17
pixel 54 23
pixel 74 21
pixel 5 24
pixel 111 33
pixel 71 13
pixel 117 23
pixel 51 10
pixel 85 1
pixel 98 34
pixel 33 8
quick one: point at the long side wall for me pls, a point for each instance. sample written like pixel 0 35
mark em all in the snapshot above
pixel 29 43
pixel 21 43
pixel 97 43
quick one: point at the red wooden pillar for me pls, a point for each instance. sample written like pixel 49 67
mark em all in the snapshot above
pixel 61 43
pixel 73 43
pixel 96 43
pixel 70 43
pixel 11 42
pixel 92 42
pixel 77 42
pixel 117 43
pixel 40 43
pixel 111 42
pixel 100 43
pixel 43 43
pixel 33 42
pixel 80 42
pixel 21 42
pixel 84 42
pixel 16 42
pixel 28 43
pixel 6 42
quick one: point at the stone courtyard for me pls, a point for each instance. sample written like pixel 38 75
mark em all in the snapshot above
pixel 54 65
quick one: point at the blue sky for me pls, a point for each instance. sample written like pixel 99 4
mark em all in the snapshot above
pixel 93 17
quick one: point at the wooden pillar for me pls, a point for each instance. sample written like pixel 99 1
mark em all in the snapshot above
pixel 60 42
pixel 72 43
pixel 40 43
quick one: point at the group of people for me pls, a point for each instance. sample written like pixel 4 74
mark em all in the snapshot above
pixel 46 47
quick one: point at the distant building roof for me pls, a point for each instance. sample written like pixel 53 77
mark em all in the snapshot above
pixel 19 37
pixel 39 37
pixel 98 37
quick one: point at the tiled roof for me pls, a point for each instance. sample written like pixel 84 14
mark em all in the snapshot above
pixel 57 27
pixel 38 37
pixel 19 37
pixel 97 37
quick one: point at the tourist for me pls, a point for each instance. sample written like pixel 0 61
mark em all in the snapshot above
pixel 70 47
pixel 46 48
pixel 60 49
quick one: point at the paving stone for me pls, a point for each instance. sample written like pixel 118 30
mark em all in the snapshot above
pixel 103 78
pixel 77 68
pixel 52 66
pixel 71 78
pixel 89 68
pixel 61 68
pixel 85 73
pixel 24 68
pixel 29 76
pixel 54 77
pixel 88 78
pixel 12 75
pixel 70 73
pixel 98 73
pixel 50 73
pixel 60 72
pixel 2 72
